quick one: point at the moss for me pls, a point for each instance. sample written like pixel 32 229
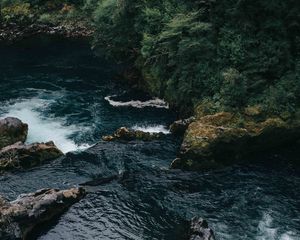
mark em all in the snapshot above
pixel 204 108
pixel 253 111
pixel 225 138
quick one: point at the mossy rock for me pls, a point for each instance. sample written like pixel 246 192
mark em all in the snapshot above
pixel 218 140
pixel 12 130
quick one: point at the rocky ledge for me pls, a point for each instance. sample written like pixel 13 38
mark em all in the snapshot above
pixel 20 155
pixel 21 217
pixel 126 134
pixel 199 230
pixel 224 138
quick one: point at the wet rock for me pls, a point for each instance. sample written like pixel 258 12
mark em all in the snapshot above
pixel 126 134
pixel 20 155
pixel 224 138
pixel 101 181
pixel 179 127
pixel 12 130
pixel 22 216
pixel 199 230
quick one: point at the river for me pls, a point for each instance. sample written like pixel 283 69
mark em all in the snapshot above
pixel 68 95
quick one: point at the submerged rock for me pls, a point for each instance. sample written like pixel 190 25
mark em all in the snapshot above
pixel 12 130
pixel 224 138
pixel 126 134
pixel 19 218
pixel 20 155
pixel 179 127
pixel 199 230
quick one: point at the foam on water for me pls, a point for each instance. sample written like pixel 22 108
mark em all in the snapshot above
pixel 155 102
pixel 288 236
pixel 43 129
pixel 152 128
pixel 267 232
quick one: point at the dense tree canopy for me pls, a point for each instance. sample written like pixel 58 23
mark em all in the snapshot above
pixel 233 53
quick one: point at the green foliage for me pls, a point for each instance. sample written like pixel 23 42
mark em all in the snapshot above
pixel 45 11
pixel 232 53
pixel 16 12
pixel 235 53
pixel 233 90
pixel 115 22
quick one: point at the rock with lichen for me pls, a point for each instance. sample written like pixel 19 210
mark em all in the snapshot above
pixel 12 130
pixel 224 138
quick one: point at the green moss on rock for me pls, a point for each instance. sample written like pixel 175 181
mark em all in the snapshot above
pixel 219 140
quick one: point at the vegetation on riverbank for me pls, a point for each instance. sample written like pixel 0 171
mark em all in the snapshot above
pixel 39 11
pixel 228 53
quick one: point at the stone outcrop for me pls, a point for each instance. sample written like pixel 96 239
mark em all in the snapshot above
pixel 20 155
pixel 199 230
pixel 21 217
pixel 126 134
pixel 12 130
pixel 180 126
pixel 224 138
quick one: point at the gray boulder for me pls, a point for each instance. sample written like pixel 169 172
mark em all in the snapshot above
pixel 12 130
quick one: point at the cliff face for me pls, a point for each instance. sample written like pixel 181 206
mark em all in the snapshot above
pixel 224 138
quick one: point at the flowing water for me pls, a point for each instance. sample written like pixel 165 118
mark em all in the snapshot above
pixel 69 96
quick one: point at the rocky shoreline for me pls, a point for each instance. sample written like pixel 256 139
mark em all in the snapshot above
pixel 12 32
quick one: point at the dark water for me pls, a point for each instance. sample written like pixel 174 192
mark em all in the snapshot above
pixel 58 88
